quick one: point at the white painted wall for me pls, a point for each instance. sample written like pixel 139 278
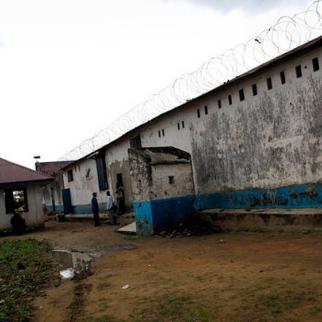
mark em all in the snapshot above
pixel 118 152
pixel 82 187
pixel 182 185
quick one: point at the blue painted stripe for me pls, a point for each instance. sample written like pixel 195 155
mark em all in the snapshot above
pixel 59 208
pixel 143 217
pixel 155 214
pixel 296 196
pixel 78 209
pixel 87 209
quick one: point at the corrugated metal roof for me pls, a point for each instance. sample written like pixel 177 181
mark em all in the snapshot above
pixel 14 173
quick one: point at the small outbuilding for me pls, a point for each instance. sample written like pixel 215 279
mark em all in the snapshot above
pixel 21 187
pixel 162 185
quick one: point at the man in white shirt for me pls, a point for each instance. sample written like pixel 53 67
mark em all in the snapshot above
pixel 109 208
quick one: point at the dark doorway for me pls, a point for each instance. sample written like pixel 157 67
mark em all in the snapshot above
pixel 67 201
pixel 119 180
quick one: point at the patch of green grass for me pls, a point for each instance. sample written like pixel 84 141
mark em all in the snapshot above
pixel 172 307
pixel 103 318
pixel 273 300
pixel 24 270
pixel 103 286
pixel 132 237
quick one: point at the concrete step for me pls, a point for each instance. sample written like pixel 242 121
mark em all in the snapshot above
pixel 128 229
pixel 84 216
pixel 127 219
pixel 264 219
pixel 124 219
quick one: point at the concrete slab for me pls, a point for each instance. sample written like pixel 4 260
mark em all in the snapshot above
pixel 264 219
pixel 268 211
pixel 128 229
pixel 85 216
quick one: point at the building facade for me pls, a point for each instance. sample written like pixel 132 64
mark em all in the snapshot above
pixel 53 192
pixel 253 142
pixel 21 187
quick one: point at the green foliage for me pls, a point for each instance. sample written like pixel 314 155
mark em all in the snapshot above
pixel 24 270
pixel 104 285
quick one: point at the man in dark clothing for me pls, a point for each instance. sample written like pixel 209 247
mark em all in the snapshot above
pixel 18 223
pixel 120 200
pixel 95 210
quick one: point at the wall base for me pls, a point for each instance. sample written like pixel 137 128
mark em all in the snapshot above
pixel 152 215
pixel 264 219
pixel 295 196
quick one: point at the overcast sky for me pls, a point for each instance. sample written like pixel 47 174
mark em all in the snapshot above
pixel 68 68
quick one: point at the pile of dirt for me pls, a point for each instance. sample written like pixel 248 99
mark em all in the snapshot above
pixel 194 226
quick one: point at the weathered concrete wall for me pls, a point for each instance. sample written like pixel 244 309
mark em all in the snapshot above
pixel 182 180
pixel 158 201
pixel 151 172
pixel 84 184
pixel 34 217
pixel 141 175
pixel 262 146
pixel 180 139
pixel 117 160
pixel 266 141
pixel 85 180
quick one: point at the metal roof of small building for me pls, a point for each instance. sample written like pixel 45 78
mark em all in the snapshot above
pixel 51 168
pixel 14 173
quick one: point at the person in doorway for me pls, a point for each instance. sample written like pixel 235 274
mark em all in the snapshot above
pixel 95 210
pixel 110 208
pixel 120 200
pixel 18 223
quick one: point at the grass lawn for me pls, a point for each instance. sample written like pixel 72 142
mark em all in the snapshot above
pixel 25 267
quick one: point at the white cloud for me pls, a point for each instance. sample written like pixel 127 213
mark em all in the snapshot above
pixel 249 5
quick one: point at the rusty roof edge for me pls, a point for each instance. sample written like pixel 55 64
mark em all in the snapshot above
pixel 28 169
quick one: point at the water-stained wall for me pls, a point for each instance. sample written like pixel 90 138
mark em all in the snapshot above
pixel 269 141
pixel 117 162
pixel 249 135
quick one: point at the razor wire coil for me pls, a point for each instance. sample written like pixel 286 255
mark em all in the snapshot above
pixel 287 33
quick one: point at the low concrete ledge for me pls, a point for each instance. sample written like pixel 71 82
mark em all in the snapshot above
pixel 85 216
pixel 264 219
pixel 124 219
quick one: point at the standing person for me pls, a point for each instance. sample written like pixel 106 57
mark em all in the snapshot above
pixel 18 222
pixel 120 201
pixel 95 210
pixel 109 208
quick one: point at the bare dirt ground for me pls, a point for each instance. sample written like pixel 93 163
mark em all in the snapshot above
pixel 219 277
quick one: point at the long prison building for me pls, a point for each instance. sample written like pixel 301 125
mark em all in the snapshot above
pixel 253 142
